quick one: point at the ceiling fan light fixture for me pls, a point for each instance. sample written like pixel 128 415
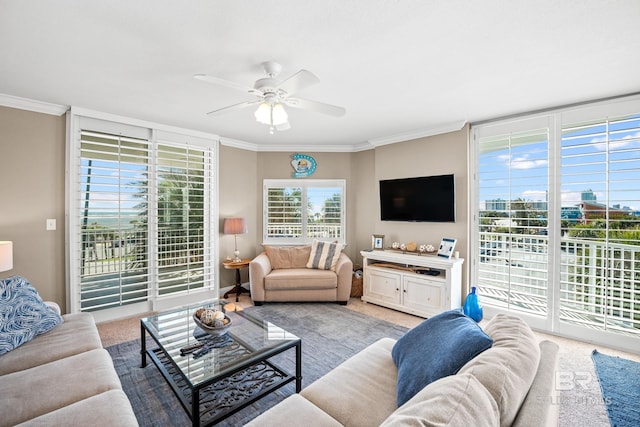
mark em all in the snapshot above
pixel 279 115
pixel 263 113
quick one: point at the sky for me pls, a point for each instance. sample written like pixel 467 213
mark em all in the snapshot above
pixel 587 161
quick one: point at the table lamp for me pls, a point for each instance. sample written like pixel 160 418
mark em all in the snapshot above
pixel 235 226
pixel 6 255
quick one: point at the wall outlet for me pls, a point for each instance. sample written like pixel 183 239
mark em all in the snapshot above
pixel 51 224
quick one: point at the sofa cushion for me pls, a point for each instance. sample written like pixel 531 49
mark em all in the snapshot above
pixel 295 410
pixel 300 278
pixel 75 335
pixel 457 400
pixel 508 368
pixel 436 348
pixel 34 392
pixel 362 390
pixel 23 314
pixel 110 408
pixel 288 256
pixel 324 255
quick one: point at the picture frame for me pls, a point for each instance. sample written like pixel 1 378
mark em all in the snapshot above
pixel 447 245
pixel 377 242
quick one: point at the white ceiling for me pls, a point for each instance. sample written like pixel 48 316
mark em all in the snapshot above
pixel 401 68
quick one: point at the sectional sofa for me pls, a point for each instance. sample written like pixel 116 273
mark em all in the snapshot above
pixel 63 377
pixel 509 384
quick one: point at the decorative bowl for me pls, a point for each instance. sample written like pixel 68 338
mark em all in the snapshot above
pixel 212 330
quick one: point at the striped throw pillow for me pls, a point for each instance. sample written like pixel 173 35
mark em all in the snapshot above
pixel 324 255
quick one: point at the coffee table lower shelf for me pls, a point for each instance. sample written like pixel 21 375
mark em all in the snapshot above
pixel 212 402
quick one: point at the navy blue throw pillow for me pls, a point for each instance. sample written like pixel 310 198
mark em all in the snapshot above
pixel 436 348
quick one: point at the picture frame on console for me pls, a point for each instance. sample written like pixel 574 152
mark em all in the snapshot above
pixel 377 242
pixel 446 248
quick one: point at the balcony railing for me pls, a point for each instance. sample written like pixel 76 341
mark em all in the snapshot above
pixel 328 231
pixel 114 265
pixel 599 281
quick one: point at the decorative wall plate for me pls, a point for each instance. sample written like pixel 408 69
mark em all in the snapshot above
pixel 303 165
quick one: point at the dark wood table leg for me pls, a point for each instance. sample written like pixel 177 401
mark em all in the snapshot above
pixel 237 289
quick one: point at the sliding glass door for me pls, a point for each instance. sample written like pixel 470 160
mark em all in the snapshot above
pixel 141 215
pixel 557 220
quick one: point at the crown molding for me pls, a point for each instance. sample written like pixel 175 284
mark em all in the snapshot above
pixel 421 133
pixel 32 105
pixel 236 143
pixel 308 148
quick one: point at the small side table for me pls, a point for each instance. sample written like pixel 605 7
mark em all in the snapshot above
pixel 237 266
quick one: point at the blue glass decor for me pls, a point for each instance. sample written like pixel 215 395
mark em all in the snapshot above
pixel 472 307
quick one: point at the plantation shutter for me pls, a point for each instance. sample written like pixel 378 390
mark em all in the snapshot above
pixel 297 212
pixel 513 212
pixel 182 222
pixel 112 242
pixel 324 220
pixel 600 280
pixel 283 212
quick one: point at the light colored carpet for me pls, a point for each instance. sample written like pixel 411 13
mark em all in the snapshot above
pixel 581 403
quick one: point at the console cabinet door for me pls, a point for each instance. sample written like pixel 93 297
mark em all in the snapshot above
pixel 427 296
pixel 383 286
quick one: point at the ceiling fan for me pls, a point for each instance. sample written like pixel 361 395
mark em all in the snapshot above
pixel 273 94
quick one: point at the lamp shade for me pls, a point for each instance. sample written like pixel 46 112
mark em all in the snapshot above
pixel 6 256
pixel 234 226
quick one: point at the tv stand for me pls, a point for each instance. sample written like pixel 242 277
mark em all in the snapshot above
pixel 423 285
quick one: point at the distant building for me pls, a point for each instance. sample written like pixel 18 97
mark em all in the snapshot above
pixel 496 205
pixel 593 211
pixel 571 213
pixel 588 196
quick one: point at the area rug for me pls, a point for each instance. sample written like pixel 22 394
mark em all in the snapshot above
pixel 620 383
pixel 330 334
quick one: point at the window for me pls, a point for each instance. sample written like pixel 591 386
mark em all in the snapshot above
pixel 299 211
pixel 557 219
pixel 140 215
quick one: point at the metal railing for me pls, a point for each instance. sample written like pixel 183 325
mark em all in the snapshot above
pixel 114 265
pixel 599 281
pixel 329 231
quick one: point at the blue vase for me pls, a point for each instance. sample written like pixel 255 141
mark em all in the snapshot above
pixel 472 307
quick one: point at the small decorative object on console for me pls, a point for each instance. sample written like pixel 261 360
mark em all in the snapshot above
pixel 377 241
pixel 446 247
pixel 472 307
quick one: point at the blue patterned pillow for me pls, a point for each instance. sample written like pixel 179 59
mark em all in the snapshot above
pixel 23 314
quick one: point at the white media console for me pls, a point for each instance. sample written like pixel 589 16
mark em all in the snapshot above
pixel 424 285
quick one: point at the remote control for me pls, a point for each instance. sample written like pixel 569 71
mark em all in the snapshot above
pixel 190 348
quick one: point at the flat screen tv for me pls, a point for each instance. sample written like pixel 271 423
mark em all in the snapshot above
pixel 421 199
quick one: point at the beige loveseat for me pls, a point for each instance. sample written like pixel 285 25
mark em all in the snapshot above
pixel 510 384
pixel 280 274
pixel 63 378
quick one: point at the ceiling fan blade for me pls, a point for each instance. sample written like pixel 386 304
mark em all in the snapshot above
pixel 316 106
pixel 298 81
pixel 222 82
pixel 234 107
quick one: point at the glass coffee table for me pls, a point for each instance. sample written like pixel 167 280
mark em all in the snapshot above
pixel 224 374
